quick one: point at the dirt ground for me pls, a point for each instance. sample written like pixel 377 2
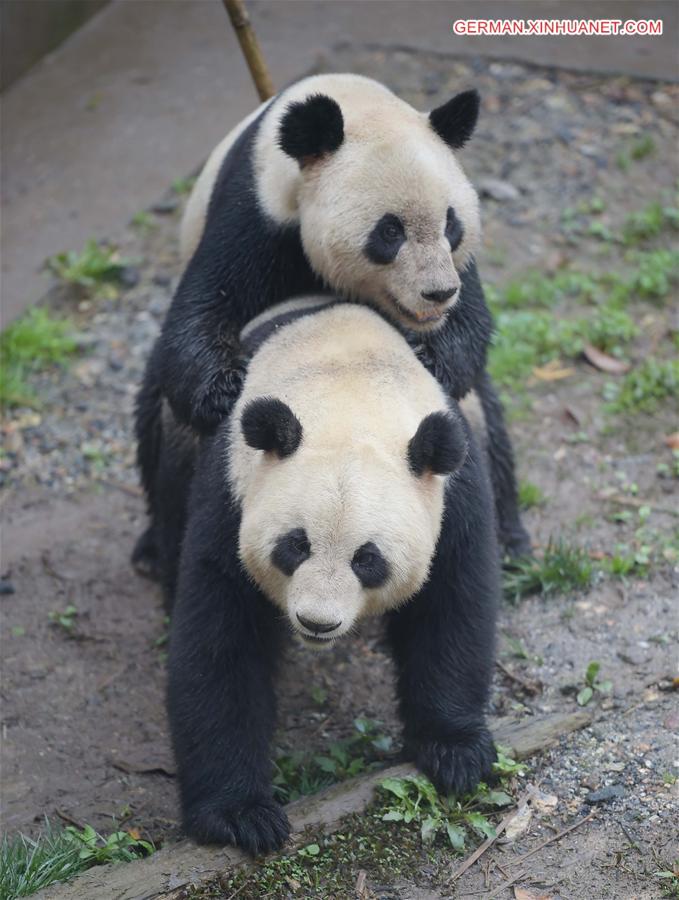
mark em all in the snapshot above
pixel 83 725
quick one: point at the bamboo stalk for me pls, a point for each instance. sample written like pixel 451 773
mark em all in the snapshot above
pixel 250 47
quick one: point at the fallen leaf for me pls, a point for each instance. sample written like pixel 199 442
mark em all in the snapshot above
pixel 521 893
pixel 553 371
pixel 604 362
pixel 134 833
pixel 672 440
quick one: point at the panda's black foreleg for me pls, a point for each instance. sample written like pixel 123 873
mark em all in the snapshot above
pixel 514 539
pixel 198 360
pixel 443 645
pixel 223 650
pixel 148 433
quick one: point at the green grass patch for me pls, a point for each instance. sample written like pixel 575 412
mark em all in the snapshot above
pixel 530 495
pixel 645 388
pixel 655 273
pixel 37 340
pixel 649 222
pixel 414 799
pixel 29 864
pixel 561 569
pixel 143 221
pixel 524 340
pixel 95 269
pixel 300 773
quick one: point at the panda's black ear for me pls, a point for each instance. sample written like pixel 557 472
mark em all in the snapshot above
pixel 270 425
pixel 311 128
pixel 439 445
pixel 455 121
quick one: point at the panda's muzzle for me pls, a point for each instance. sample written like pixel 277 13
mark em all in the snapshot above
pixel 317 628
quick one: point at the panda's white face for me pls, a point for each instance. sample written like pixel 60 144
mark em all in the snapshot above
pixel 391 224
pixel 386 213
pixel 332 537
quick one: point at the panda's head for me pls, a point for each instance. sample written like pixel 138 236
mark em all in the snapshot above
pixel 333 536
pixel 387 214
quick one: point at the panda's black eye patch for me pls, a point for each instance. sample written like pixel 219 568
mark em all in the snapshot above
pixel 385 240
pixel 369 566
pixel 454 229
pixel 291 550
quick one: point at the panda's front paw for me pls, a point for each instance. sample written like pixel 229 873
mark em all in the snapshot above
pixel 455 766
pixel 258 828
pixel 215 400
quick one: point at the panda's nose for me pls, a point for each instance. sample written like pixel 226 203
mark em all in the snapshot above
pixel 439 296
pixel 317 627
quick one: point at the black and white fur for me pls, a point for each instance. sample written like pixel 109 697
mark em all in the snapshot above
pixel 345 484
pixel 334 183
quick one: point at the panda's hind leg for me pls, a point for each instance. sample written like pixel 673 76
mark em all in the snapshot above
pixel 513 537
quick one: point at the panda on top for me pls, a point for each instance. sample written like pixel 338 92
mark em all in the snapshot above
pixel 345 484
pixel 334 185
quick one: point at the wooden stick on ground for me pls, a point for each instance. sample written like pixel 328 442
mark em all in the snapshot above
pixel 478 853
pixel 554 837
pixel 250 47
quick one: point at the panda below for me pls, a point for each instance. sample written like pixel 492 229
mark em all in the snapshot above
pixel 344 484
pixel 335 184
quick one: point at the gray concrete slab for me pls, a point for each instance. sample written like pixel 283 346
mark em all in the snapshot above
pixel 142 92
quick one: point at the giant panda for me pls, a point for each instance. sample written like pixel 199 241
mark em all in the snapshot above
pixel 335 184
pixel 344 484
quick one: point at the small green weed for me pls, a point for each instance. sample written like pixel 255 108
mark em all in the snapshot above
pixel 27 865
pixel 649 222
pixel 33 342
pixel 415 799
pixel 530 495
pixel 655 273
pixel 298 774
pixel 183 185
pixel 518 651
pixel 95 850
pixel 65 620
pixel 94 270
pixel 624 563
pixel 644 388
pixel 144 221
pixel 561 569
pixel 642 147
pixel 669 879
pixel 592 684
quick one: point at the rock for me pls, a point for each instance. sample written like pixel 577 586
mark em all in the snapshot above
pixel 497 189
pixel 6 587
pixel 166 206
pixel 519 825
pixel 541 802
pixel 129 276
pixel 605 794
